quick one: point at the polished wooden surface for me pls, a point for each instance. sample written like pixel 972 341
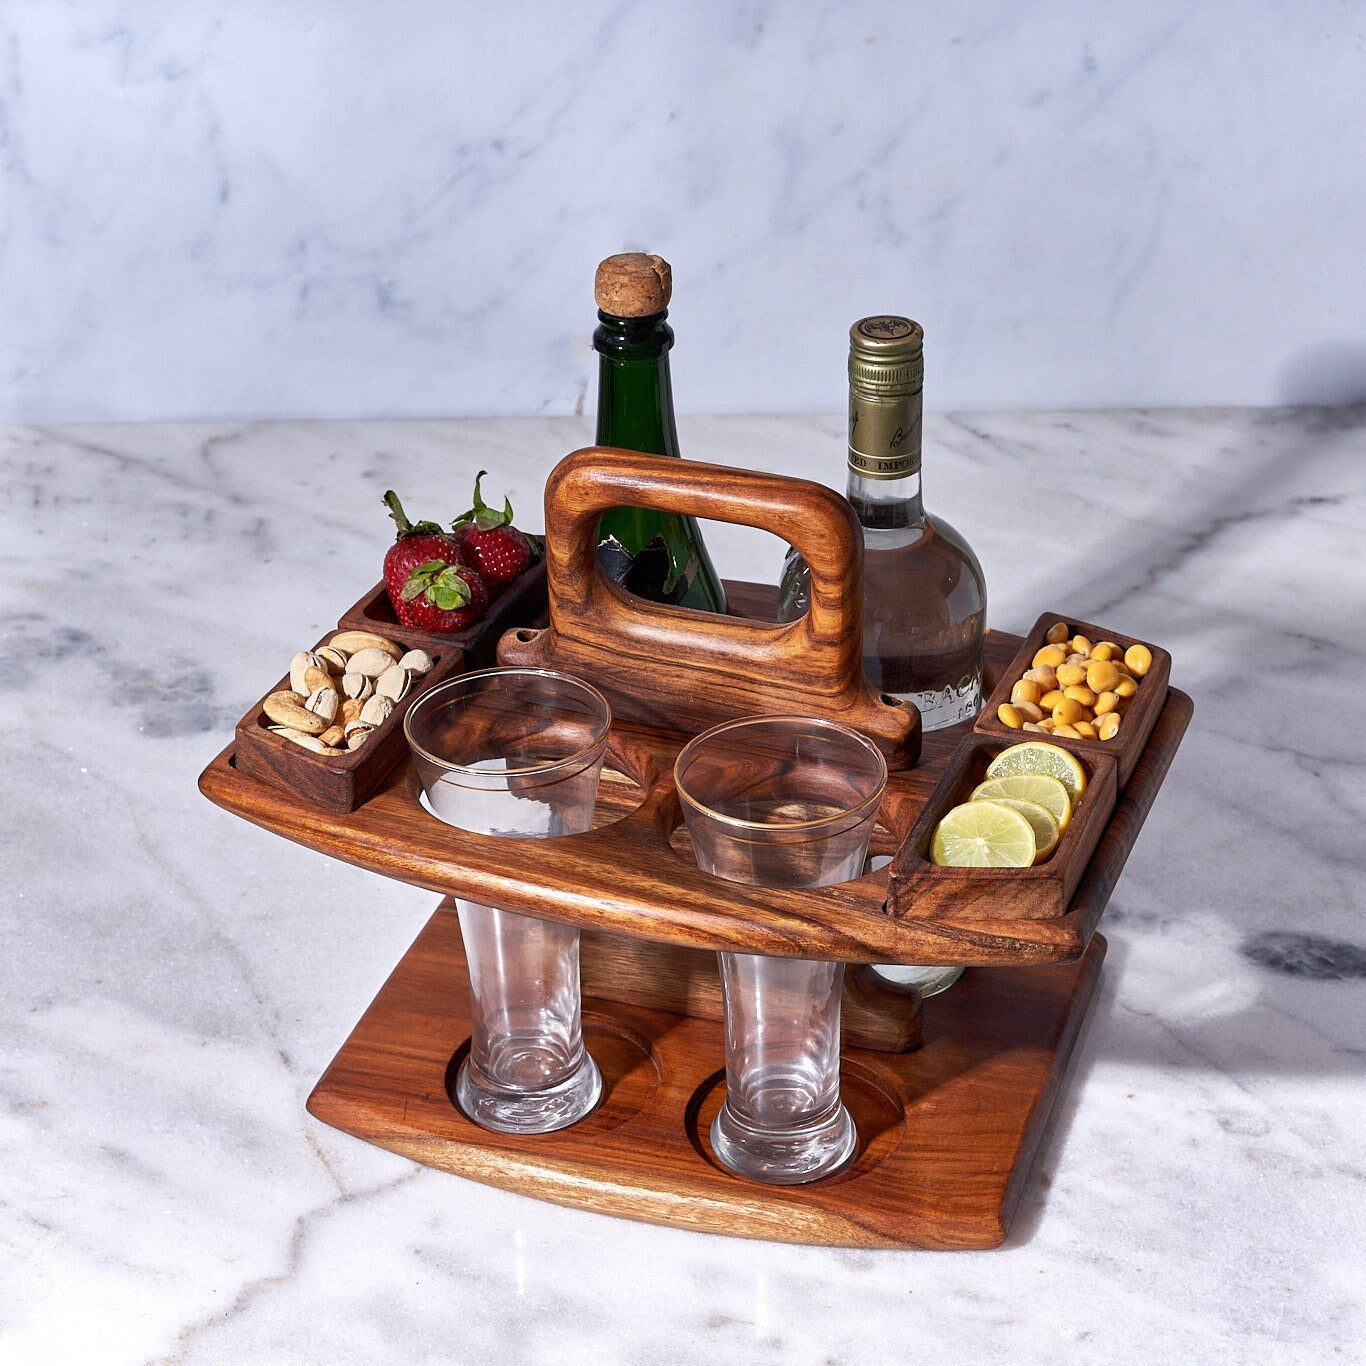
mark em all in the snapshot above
pixel 920 888
pixel 634 874
pixel 1144 708
pixel 946 1134
pixel 667 667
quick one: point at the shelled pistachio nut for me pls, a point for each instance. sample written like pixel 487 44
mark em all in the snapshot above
pixel 352 642
pixel 287 709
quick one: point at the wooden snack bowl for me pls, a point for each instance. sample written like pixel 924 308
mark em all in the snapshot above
pixel 920 888
pixel 334 782
pixel 521 603
pixel 1139 719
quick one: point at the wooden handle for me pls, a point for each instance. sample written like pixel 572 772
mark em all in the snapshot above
pixel 687 670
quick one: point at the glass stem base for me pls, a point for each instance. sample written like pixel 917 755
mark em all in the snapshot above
pixel 528 1112
pixel 789 1158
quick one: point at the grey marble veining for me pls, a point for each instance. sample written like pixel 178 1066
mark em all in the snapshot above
pixel 174 980
pixel 345 210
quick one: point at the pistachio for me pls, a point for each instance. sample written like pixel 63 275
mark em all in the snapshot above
pixel 352 642
pixel 286 709
pixel 377 710
pixel 324 702
pixel 371 662
pixel 333 736
pixel 416 662
pixel 358 738
pixel 334 660
pixel 305 659
pixel 352 727
pixel 357 685
pixel 393 683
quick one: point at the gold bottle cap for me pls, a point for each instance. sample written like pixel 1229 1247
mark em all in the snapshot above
pixel 633 285
pixel 886 353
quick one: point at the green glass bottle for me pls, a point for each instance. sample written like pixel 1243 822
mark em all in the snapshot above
pixel 655 555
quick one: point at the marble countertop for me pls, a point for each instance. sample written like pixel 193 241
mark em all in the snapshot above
pixel 175 980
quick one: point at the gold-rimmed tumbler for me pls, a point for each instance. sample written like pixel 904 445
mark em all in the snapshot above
pixel 517 752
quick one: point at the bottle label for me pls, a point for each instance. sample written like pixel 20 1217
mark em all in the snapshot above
pixel 884 435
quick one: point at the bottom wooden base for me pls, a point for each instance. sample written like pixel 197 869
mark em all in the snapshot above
pixel 946 1134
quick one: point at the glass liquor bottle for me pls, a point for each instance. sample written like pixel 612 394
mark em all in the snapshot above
pixel 656 555
pixel 924 598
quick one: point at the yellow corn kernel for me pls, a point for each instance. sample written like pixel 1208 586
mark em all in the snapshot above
pixel 1049 657
pixel 1109 725
pixel 1031 711
pixel 1085 729
pixel 1058 633
pixel 1139 658
pixel 1079 692
pixel 1067 711
pixel 1009 716
pixel 1126 687
pixel 1026 690
pixel 1050 699
pixel 1106 702
pixel 1081 646
pixel 1069 731
pixel 1071 673
pixel 1101 675
pixel 1105 651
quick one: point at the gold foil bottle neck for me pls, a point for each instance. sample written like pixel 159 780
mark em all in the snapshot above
pixel 886 354
pixel 886 380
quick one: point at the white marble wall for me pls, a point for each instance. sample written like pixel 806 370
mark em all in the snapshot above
pixel 346 209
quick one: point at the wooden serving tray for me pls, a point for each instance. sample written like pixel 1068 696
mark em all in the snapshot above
pixel 946 1134
pixel 1046 889
pixel 1144 708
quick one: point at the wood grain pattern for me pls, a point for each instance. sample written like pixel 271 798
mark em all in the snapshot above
pixel 946 1134
pixel 918 887
pixel 877 1014
pixel 521 603
pixel 1144 707
pixel 626 876
pixel 341 782
pixel 670 668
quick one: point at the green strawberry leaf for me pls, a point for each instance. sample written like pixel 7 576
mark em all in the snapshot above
pixel 483 516
pixel 405 527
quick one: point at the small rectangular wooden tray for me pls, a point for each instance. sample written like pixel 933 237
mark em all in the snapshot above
pixel 1139 719
pixel 334 782
pixel 920 888
pixel 522 602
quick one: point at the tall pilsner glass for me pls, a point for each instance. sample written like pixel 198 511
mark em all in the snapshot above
pixel 781 801
pixel 517 752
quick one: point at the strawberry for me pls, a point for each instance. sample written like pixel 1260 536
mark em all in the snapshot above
pixel 415 545
pixel 442 596
pixel 497 549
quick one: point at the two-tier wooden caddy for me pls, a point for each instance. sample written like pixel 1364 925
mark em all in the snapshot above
pixel 951 1102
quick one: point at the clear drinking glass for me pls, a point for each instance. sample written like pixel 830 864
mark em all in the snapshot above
pixel 517 752
pixel 781 801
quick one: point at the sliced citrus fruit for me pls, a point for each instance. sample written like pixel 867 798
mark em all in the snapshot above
pixel 983 835
pixel 1048 792
pixel 1045 827
pixel 1037 756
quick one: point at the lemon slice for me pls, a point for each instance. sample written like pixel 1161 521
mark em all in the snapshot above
pixel 1045 827
pixel 1048 792
pixel 1037 756
pixel 983 835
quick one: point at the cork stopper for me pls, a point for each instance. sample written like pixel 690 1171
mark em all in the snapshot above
pixel 633 285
